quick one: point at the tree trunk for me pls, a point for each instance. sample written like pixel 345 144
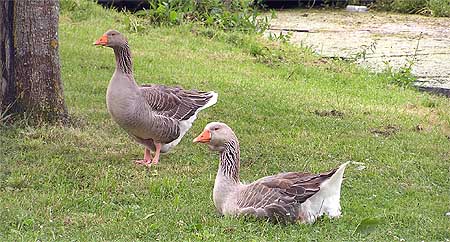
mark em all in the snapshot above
pixel 6 58
pixel 33 78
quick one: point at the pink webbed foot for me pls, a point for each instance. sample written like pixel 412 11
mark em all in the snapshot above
pixel 147 159
pixel 144 162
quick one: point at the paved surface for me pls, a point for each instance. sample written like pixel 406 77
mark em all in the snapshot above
pixel 386 39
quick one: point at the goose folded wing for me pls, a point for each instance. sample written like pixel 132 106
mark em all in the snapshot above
pixel 277 197
pixel 174 102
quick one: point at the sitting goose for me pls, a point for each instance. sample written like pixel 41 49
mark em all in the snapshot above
pixel 156 116
pixel 291 196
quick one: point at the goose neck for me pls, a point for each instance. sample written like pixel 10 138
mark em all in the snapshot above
pixel 230 161
pixel 123 59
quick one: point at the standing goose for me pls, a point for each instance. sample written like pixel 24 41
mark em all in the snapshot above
pixel 291 196
pixel 156 116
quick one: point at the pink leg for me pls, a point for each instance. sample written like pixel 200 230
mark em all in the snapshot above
pixel 158 150
pixel 147 158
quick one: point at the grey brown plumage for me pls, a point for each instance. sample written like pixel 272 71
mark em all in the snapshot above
pixel 171 105
pixel 156 116
pixel 277 197
pixel 175 102
pixel 290 196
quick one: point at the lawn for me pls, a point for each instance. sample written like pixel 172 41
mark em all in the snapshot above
pixel 291 110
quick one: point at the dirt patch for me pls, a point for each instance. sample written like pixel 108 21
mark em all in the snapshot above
pixel 68 221
pixel 330 113
pixel 385 131
pixel 431 119
pixel 419 128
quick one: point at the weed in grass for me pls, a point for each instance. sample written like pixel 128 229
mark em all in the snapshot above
pixel 80 10
pixel 361 55
pixel 283 38
pixel 403 76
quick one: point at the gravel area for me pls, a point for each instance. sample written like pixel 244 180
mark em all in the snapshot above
pixel 385 40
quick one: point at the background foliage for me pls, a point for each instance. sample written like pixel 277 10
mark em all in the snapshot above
pixel 437 8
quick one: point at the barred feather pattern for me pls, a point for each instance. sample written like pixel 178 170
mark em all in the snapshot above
pixel 230 160
pixel 279 197
pixel 175 102
pixel 123 58
pixel 169 107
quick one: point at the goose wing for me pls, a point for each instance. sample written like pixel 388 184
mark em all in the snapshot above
pixel 278 197
pixel 174 109
pixel 175 102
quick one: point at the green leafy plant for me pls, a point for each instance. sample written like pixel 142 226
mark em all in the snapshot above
pixel 402 76
pixel 362 53
pixel 134 23
pixel 282 37
pixel 234 15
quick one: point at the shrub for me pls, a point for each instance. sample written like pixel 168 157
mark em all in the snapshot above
pixel 409 6
pixel 440 8
pixel 437 8
pixel 237 15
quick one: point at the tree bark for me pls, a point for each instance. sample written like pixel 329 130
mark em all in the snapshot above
pixel 33 78
pixel 6 57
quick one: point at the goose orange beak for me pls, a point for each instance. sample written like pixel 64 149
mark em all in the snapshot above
pixel 102 41
pixel 204 137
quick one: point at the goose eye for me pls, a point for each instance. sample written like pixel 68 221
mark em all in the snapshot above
pixel 216 128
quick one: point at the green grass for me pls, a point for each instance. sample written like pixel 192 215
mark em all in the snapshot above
pixel 79 183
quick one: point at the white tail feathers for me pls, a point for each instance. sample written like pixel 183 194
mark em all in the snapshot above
pixel 185 125
pixel 335 181
pixel 211 101
pixel 327 200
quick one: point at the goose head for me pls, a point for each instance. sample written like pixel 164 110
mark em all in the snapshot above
pixel 111 38
pixel 216 135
